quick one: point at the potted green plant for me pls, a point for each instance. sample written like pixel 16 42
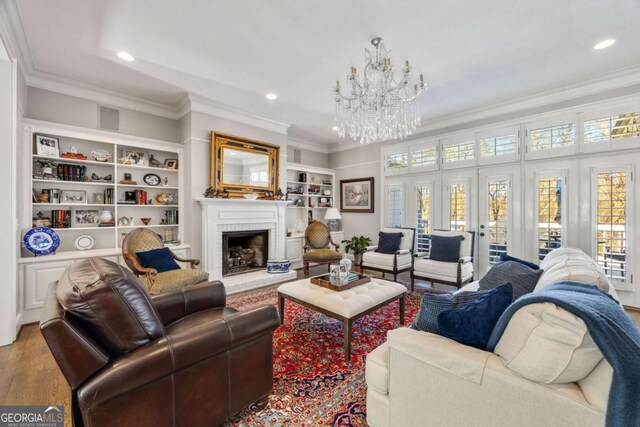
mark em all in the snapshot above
pixel 357 245
pixel 46 165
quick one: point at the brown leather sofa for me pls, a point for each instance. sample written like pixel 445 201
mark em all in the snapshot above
pixel 177 359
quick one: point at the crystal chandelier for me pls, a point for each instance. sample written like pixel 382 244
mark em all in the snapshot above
pixel 378 107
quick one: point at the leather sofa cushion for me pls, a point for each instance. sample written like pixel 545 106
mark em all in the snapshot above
pixel 111 305
pixel 546 344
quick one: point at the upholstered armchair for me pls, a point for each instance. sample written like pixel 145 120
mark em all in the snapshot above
pixel 182 358
pixel 317 246
pixel 456 273
pixel 395 263
pixel 143 240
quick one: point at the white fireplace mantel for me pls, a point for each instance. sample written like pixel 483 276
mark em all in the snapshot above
pixel 221 215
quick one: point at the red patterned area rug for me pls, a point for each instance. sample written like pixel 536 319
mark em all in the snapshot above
pixel 313 385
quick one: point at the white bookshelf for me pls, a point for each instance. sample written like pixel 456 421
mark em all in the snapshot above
pixel 85 141
pixel 313 203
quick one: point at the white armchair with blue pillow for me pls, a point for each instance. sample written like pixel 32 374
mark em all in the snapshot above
pixel 392 254
pixel 449 261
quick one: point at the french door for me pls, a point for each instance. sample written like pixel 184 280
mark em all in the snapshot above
pixel 498 208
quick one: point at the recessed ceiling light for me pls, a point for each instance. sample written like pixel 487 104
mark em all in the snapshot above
pixel 125 56
pixel 335 128
pixel 604 44
pixel 272 96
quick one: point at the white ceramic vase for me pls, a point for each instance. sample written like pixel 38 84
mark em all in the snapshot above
pixel 106 216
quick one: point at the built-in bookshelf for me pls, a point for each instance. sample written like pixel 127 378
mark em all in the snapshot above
pixel 91 181
pixel 311 190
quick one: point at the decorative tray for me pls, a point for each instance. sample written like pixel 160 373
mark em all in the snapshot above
pixel 355 279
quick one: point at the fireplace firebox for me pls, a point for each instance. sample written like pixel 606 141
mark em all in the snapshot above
pixel 244 251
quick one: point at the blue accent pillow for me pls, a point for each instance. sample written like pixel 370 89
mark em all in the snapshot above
pixel 434 304
pixel 505 257
pixel 522 278
pixel 160 259
pixel 445 248
pixel 388 243
pixel 473 324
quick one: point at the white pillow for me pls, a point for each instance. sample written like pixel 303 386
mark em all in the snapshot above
pixel 575 270
pixel 546 344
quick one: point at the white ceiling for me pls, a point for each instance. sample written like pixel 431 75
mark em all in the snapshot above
pixel 473 53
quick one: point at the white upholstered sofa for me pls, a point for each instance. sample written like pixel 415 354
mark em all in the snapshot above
pixel 545 371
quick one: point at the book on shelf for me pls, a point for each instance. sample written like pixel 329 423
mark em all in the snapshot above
pixel 171 217
pixel 71 172
pixel 108 196
pixel 60 218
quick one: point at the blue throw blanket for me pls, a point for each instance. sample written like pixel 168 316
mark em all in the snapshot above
pixel 613 331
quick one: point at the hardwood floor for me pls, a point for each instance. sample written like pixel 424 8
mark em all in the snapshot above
pixel 30 376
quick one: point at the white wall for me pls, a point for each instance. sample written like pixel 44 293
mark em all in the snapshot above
pixel 361 162
pixel 59 108
pixel 198 127
pixel 8 217
pixel 308 157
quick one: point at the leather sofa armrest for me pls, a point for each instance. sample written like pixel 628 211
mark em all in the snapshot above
pixel 248 324
pixel 173 306
pixel 156 360
pixel 464 259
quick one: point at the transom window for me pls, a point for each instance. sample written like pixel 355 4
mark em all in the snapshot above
pixel 396 161
pixel 459 151
pixel 549 215
pixel 424 156
pixel 552 137
pixel 499 145
pixel 610 129
pixel 457 207
pixel 423 230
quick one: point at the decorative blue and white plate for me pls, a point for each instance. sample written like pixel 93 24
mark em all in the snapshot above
pixel 41 240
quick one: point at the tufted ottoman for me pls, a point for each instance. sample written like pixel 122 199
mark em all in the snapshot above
pixel 347 305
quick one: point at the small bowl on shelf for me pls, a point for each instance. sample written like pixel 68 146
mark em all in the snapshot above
pixel 251 196
pixel 145 221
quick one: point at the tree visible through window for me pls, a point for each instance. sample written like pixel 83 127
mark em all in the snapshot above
pixel 498 219
pixel 549 215
pixel 459 151
pixel 609 129
pixel 457 207
pixel 424 218
pixel 612 223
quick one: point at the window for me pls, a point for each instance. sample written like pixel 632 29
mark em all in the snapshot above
pixel 499 145
pixel 549 226
pixel 611 129
pixel 395 206
pixel 457 207
pixel 497 223
pixel 460 151
pixel 423 230
pixel 612 222
pixel 424 156
pixel 396 163
pixel 550 137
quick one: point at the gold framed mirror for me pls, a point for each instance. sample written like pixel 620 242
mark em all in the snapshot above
pixel 241 166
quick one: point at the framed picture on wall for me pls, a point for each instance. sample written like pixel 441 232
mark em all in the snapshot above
pixel 356 195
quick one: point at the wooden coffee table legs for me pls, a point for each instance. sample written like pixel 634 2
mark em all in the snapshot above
pixel 347 322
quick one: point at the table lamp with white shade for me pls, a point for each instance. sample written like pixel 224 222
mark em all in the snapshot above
pixel 332 215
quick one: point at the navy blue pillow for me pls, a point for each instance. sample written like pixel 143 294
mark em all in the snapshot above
pixel 505 257
pixel 473 324
pixel 445 248
pixel 522 278
pixel 434 304
pixel 160 259
pixel 388 243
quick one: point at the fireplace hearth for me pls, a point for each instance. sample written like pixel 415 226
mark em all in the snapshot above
pixel 244 251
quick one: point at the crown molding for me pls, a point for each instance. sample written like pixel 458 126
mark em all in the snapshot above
pixel 209 106
pixel 12 33
pixel 307 145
